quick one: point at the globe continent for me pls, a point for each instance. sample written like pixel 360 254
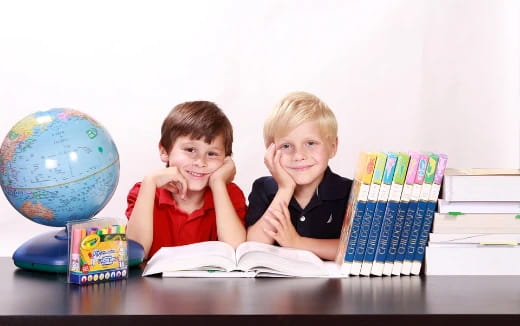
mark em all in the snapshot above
pixel 58 166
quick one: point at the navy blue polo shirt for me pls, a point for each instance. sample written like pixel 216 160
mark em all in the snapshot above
pixel 323 216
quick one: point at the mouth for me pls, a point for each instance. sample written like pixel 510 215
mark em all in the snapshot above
pixel 196 174
pixel 301 168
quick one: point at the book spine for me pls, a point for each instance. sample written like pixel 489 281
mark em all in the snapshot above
pixel 346 227
pixel 373 234
pixel 390 214
pixel 414 235
pixel 359 252
pixel 353 237
pixel 401 213
pixel 410 213
pixel 379 212
pixel 419 214
pixel 355 210
pixel 396 235
pixel 384 237
pixel 428 217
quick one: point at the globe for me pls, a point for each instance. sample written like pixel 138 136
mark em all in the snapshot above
pixel 58 166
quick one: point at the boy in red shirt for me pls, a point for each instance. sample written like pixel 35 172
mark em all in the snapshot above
pixel 192 199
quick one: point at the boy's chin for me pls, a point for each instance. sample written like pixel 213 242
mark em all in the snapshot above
pixel 304 180
pixel 196 187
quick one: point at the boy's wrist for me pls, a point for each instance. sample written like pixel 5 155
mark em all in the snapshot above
pixel 149 180
pixel 217 183
pixel 286 192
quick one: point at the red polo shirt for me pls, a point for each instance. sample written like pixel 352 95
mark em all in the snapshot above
pixel 174 227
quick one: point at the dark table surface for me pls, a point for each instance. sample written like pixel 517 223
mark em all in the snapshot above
pixel 46 298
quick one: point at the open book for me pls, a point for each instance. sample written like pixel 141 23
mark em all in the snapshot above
pixel 250 259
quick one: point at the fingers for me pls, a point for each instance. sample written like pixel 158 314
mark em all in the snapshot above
pixel 226 172
pixel 276 219
pixel 177 184
pixel 184 187
pixel 269 156
pixel 284 208
pixel 228 161
pixel 177 188
pixel 277 158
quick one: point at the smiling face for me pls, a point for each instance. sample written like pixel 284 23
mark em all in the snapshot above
pixel 196 159
pixel 305 153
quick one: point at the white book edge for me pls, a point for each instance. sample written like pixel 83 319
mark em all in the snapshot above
pixel 377 269
pixel 473 261
pixel 387 269
pixel 345 268
pixel 355 269
pixel 209 274
pixel 366 267
pixel 407 267
pixel 398 266
pixel 416 267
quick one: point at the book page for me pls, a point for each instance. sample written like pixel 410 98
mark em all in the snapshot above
pixel 210 274
pixel 209 255
pixel 280 260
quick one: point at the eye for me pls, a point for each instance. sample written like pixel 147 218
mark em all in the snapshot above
pixel 312 143
pixel 285 147
pixel 213 154
pixel 189 149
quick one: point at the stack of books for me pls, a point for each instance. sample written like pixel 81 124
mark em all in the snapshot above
pixel 477 228
pixel 390 212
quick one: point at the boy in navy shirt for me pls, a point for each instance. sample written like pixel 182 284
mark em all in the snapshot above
pixel 302 204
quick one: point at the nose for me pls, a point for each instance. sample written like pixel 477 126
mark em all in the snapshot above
pixel 200 161
pixel 300 153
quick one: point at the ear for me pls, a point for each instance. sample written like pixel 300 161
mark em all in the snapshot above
pixel 163 154
pixel 333 148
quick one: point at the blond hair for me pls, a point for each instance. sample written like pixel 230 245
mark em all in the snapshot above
pixel 296 108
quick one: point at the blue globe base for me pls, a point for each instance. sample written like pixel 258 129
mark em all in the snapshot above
pixel 48 252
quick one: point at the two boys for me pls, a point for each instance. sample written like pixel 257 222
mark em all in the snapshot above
pixel 301 205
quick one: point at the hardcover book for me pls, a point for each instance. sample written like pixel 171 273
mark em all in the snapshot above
pixel 390 215
pixel 420 213
pixel 476 223
pixel 355 210
pixel 473 260
pixel 379 212
pixel 511 207
pixel 410 214
pixel 401 213
pixel 481 185
pixel 428 217
pixel 377 177
pixel 456 239
pixel 250 259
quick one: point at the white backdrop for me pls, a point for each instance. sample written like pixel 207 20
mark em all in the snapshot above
pixel 400 75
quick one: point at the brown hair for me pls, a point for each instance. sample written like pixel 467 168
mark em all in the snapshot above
pixel 197 119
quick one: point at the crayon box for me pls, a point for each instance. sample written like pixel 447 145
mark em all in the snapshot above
pixel 98 251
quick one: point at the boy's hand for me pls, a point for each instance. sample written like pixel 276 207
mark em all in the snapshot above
pixel 171 179
pixel 272 162
pixel 224 174
pixel 284 232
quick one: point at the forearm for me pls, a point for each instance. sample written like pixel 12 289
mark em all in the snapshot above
pixel 229 227
pixel 256 231
pixel 324 248
pixel 140 224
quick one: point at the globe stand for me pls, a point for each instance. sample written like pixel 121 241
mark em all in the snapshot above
pixel 48 252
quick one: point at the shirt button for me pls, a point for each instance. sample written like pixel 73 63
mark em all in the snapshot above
pixel 302 219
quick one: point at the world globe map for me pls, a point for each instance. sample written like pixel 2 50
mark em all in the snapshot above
pixel 58 166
